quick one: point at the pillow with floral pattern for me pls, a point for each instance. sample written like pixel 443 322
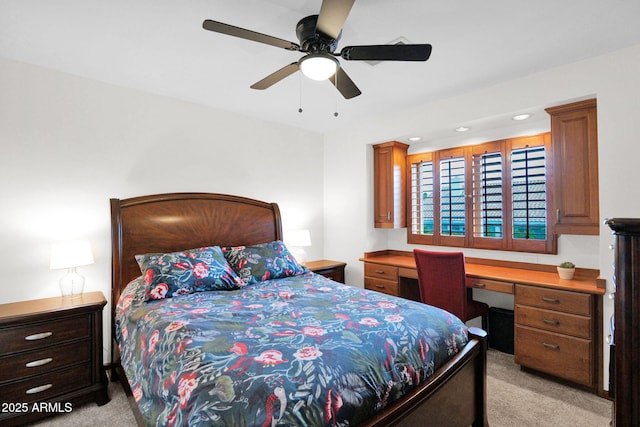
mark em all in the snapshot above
pixel 185 272
pixel 261 262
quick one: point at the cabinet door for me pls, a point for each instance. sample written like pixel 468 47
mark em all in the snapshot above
pixel 389 166
pixel 574 138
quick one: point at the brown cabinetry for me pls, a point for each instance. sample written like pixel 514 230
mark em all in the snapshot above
pixel 333 270
pixel 555 333
pixel 389 192
pixel 625 372
pixel 51 354
pixel 381 278
pixel 574 138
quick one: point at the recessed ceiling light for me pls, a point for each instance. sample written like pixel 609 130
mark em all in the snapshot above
pixel 462 129
pixel 521 117
pixel 415 138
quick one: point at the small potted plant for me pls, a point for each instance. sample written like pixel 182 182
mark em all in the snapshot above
pixel 566 270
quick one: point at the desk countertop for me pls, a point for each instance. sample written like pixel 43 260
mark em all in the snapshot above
pixel 585 280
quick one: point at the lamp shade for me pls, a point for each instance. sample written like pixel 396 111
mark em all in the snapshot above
pixel 298 238
pixel 70 254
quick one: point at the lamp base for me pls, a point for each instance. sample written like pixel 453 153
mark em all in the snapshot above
pixel 300 254
pixel 71 284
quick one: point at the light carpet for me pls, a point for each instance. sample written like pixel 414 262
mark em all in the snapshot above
pixel 514 399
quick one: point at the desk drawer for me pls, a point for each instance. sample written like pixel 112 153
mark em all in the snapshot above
pixel 387 272
pixel 553 299
pixel 490 285
pixel 556 354
pixel 385 286
pixel 554 321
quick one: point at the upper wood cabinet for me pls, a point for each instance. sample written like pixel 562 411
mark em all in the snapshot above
pixel 574 138
pixel 389 192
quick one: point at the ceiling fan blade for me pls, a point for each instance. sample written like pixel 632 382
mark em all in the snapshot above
pixel 387 52
pixel 344 84
pixel 274 78
pixel 242 33
pixel 332 15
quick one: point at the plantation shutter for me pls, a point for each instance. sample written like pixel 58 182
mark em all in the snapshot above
pixel 529 193
pixel 452 197
pixel 488 215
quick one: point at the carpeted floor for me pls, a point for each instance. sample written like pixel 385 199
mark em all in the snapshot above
pixel 520 399
pixel 515 399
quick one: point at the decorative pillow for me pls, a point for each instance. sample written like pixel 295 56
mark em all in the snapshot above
pixel 186 272
pixel 262 262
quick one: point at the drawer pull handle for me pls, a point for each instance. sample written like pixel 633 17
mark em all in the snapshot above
pixel 40 362
pixel 379 271
pixel 39 336
pixel 551 300
pixel 380 286
pixel 553 322
pixel 551 346
pixel 479 285
pixel 39 389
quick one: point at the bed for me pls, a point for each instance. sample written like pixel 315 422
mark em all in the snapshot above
pixel 276 346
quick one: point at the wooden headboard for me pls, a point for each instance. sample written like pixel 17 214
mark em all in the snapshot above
pixel 176 221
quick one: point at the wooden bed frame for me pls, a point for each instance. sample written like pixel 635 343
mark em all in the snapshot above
pixel 454 396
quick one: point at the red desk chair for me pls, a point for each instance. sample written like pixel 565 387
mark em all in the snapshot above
pixel 441 276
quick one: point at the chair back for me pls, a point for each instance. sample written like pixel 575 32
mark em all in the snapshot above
pixel 441 277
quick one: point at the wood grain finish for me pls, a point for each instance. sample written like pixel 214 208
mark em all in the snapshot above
pixel 381 278
pixel 390 184
pixel 560 355
pixel 554 333
pixel 574 134
pixel 170 222
pixel 333 270
pixel 585 280
pixel 626 360
pixel 545 307
pixel 51 352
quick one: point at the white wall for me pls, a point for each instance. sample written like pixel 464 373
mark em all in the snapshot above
pixel 69 144
pixel 612 78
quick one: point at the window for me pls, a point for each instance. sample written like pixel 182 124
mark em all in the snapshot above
pixel 490 196
pixel 422 196
pixel 452 197
pixel 528 193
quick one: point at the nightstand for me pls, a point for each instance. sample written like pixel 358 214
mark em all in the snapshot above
pixel 51 356
pixel 333 270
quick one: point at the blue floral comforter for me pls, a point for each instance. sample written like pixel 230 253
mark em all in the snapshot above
pixel 302 350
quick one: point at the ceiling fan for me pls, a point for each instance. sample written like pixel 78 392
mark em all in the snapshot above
pixel 319 36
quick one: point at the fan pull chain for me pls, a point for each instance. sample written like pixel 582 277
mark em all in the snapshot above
pixel 300 100
pixel 335 114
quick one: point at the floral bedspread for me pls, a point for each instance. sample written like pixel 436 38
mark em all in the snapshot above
pixel 303 350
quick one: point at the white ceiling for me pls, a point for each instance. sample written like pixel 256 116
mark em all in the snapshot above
pixel 159 46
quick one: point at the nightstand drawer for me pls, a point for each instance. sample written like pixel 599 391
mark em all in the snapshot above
pixel 553 299
pixel 384 286
pixel 38 335
pixel 556 354
pixel 41 387
pixel 40 361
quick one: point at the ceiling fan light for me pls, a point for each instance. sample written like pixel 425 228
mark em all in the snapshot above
pixel 318 66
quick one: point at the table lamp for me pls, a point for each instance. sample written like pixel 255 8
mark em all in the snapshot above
pixel 70 255
pixel 297 240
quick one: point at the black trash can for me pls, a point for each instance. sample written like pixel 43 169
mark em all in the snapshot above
pixel 501 329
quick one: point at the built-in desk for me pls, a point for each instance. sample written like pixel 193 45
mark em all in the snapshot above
pixel 558 323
